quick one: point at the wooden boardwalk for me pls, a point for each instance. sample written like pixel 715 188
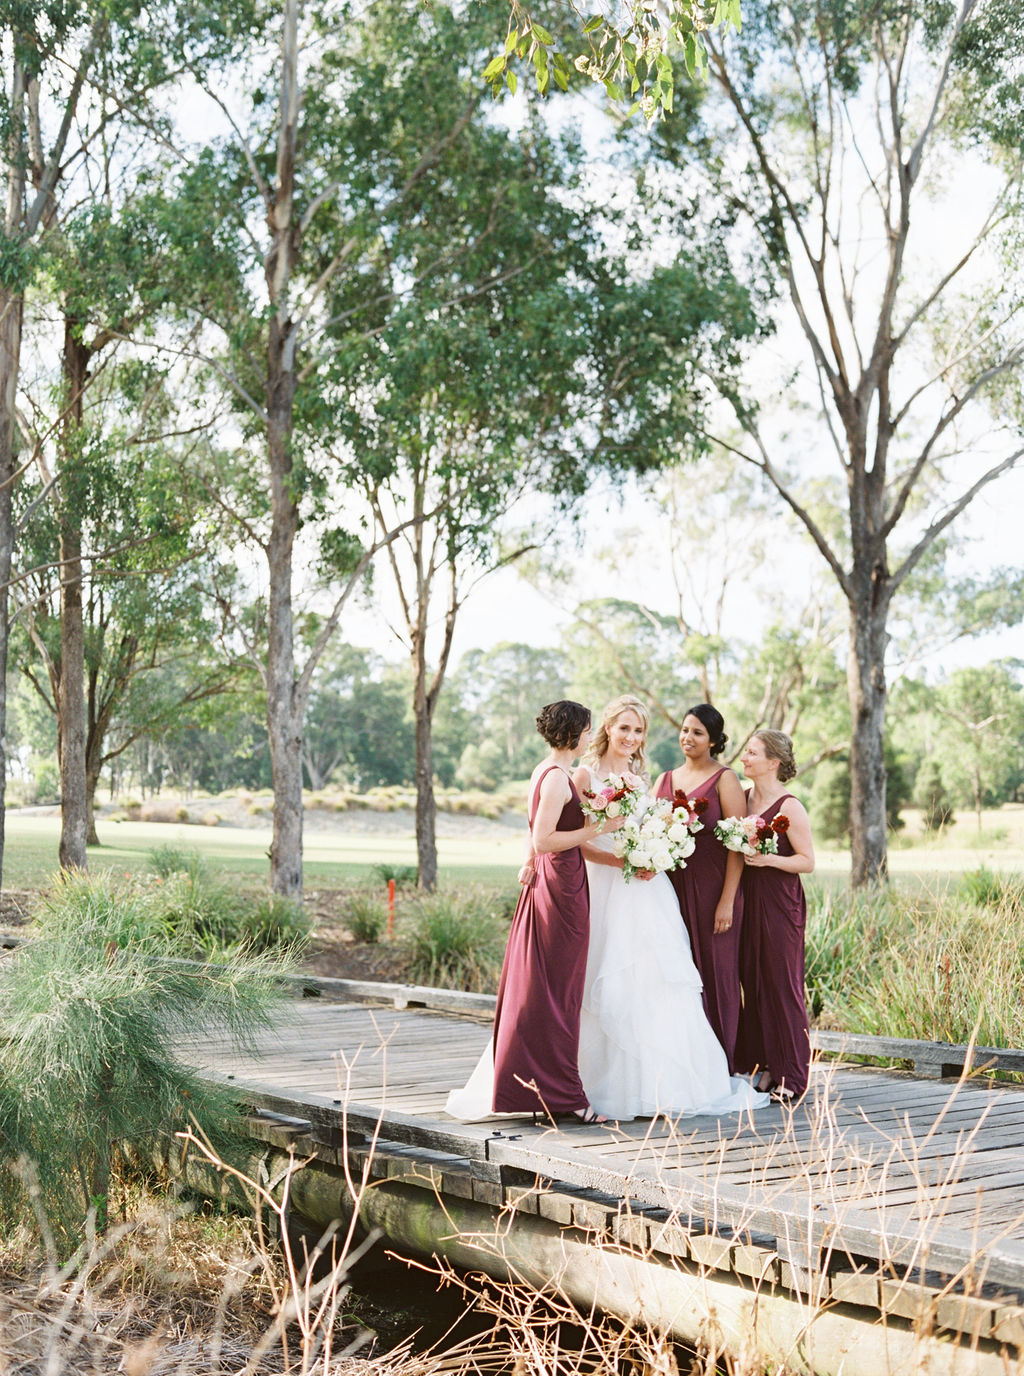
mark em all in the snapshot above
pixel 878 1179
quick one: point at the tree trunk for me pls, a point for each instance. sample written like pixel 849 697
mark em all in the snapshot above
pixel 11 312
pixel 74 807
pixel 284 708
pixel 867 691
pixel 93 769
pixel 426 804
pixel 285 702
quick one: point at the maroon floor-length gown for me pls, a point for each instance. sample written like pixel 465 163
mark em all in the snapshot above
pixel 774 1031
pixel 537 1019
pixel 698 888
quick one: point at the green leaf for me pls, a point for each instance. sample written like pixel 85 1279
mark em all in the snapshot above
pixel 561 80
pixel 690 54
pixel 596 20
pixel 495 67
pixel 511 41
pixel 511 81
pixel 543 76
pixel 541 35
pixel 615 91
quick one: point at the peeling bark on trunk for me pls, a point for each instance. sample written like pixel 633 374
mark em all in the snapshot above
pixel 285 700
pixel 284 708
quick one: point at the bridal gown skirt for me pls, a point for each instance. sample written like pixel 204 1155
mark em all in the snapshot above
pixel 646 1046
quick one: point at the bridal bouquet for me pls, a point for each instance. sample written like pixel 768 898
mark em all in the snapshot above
pixel 659 837
pixel 619 797
pixel 751 835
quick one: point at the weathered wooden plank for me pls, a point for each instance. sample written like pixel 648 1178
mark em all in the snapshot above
pixel 770 1168
pixel 921 1053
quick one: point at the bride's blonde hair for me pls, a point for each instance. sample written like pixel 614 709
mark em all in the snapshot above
pixel 600 740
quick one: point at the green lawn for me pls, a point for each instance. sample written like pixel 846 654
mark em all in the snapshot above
pixel 330 859
pixel 30 856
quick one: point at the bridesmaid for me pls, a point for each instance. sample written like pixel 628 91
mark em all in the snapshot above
pixel 774 1038
pixel 537 1019
pixel 708 889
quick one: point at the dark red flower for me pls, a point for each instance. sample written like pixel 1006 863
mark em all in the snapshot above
pixel 780 824
pixel 700 806
pixel 679 799
pixel 764 831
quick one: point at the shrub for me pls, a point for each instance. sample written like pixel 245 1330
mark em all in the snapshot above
pixel 456 940
pixel 46 774
pixel 212 819
pixel 405 876
pixel 365 917
pixel 987 889
pixel 170 859
pixel 93 1010
pixel 936 805
pixel 272 923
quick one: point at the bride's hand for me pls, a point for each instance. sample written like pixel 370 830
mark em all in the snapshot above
pixel 644 874
pixel 607 824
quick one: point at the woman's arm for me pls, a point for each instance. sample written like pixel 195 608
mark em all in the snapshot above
pixel 732 800
pixel 554 794
pixel 802 859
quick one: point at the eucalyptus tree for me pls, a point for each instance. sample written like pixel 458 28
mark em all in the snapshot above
pixel 145 592
pixel 838 137
pixel 76 73
pixel 289 216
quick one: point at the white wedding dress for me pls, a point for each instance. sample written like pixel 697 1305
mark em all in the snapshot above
pixel 646 1046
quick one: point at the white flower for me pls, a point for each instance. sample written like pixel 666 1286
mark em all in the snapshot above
pixel 677 832
pixel 613 810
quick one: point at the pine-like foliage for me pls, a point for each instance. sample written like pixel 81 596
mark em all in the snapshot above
pixel 97 1014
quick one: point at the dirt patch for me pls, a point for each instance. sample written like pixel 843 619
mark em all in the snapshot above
pixel 335 954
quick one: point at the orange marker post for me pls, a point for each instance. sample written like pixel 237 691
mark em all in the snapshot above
pixel 391 908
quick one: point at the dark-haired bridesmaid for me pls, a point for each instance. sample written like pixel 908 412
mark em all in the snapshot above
pixel 537 1018
pixel 774 1038
pixel 708 889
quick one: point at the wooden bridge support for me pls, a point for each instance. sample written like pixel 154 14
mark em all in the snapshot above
pixel 639 1263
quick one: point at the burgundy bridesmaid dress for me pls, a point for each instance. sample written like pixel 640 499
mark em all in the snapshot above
pixel 774 1032
pixel 537 1019
pixel 698 888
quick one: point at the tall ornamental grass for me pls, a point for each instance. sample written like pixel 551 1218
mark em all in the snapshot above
pixel 95 1013
pixel 456 939
pixel 936 966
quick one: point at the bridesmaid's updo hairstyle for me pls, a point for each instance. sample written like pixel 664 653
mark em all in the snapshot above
pixel 713 723
pixel 778 746
pixel 599 744
pixel 563 723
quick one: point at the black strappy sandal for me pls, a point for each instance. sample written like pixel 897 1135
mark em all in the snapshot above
pixel 588 1116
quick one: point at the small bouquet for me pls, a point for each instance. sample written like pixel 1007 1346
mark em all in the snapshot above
pixel 619 797
pixel 751 835
pixel 687 812
pixel 659 837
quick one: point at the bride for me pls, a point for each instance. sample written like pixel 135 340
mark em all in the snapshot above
pixel 646 1047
